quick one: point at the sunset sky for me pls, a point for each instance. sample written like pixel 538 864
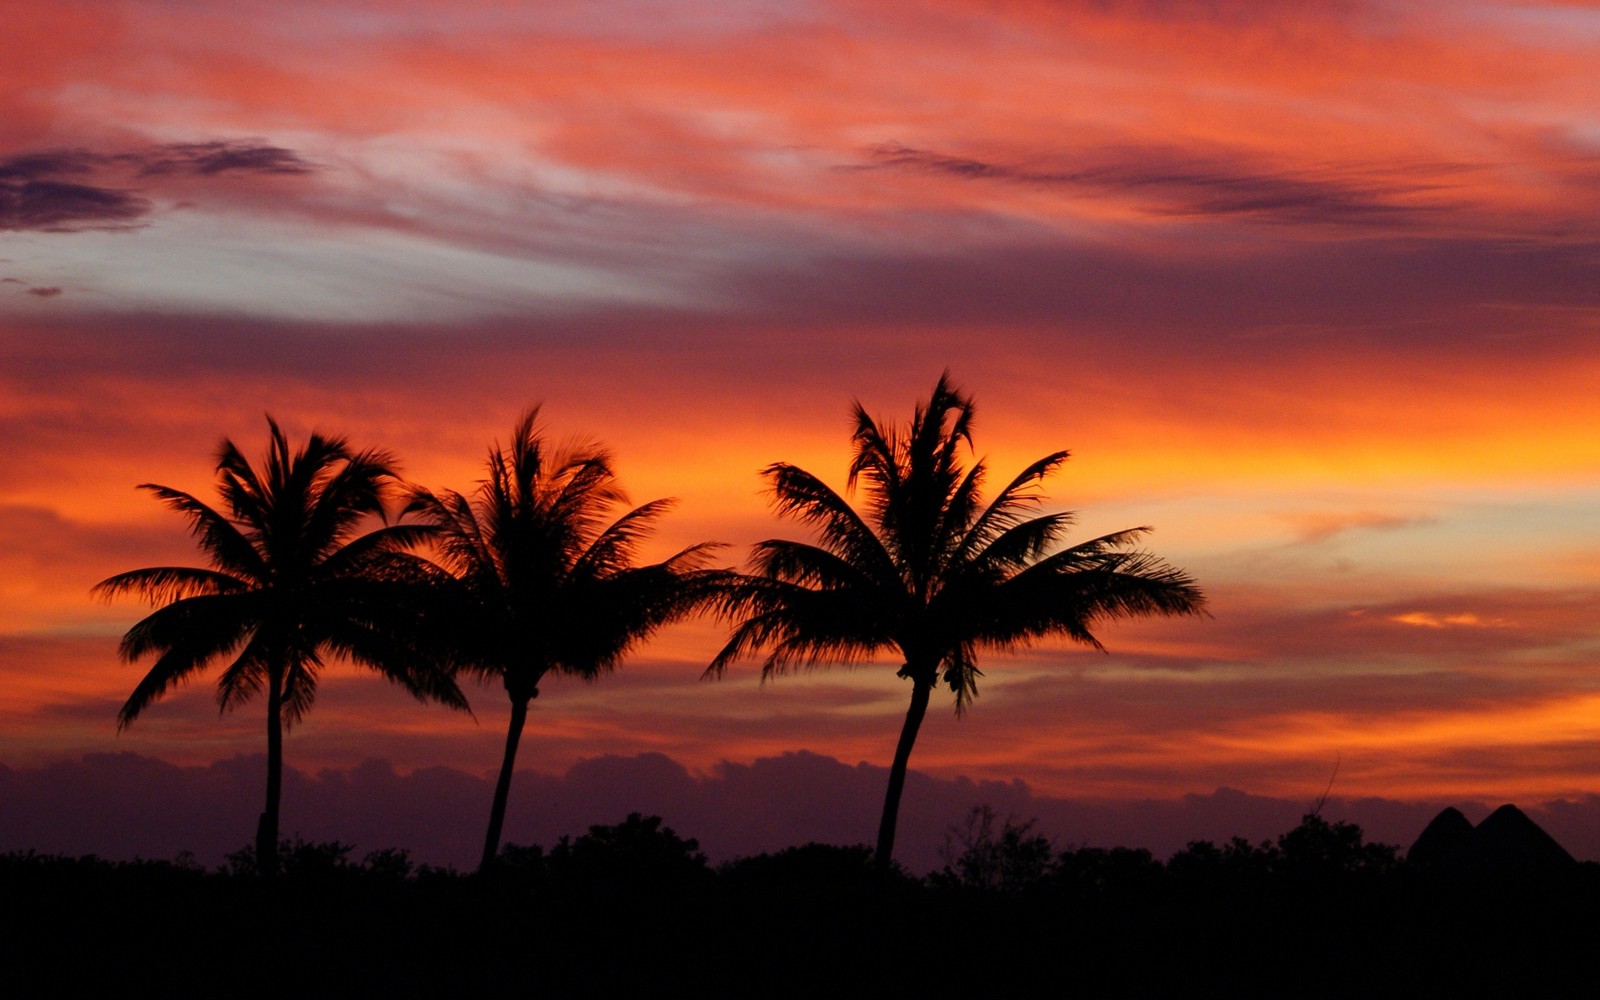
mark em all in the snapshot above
pixel 1312 288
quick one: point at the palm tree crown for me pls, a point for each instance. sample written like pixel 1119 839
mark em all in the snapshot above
pixel 929 571
pixel 546 581
pixel 294 576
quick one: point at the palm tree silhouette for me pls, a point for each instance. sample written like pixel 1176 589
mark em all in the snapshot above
pixel 929 572
pixel 544 583
pixel 294 578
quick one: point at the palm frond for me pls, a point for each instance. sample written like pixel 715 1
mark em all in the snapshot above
pixel 798 494
pixel 460 538
pixel 345 497
pixel 961 511
pixel 800 626
pixel 165 584
pixel 918 496
pixel 187 634
pixel 249 672
pixel 372 547
pixel 960 674
pixel 300 684
pixel 403 624
pixel 1068 596
pixel 230 549
pixel 248 498
pixel 1093 553
pixel 1021 544
pixel 203 625
pixel 1012 505
pixel 807 565
pixel 614 549
pixel 877 455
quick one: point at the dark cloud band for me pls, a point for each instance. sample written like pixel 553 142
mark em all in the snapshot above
pixel 1172 182
pixel 70 190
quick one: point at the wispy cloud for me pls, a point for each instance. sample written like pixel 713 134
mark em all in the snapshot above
pixel 1170 181
pixel 70 190
pixel 51 192
pixel 1321 526
pixel 208 159
pixel 1465 619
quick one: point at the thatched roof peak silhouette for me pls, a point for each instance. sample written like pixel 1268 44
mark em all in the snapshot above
pixel 1447 839
pixel 1506 841
pixel 1509 838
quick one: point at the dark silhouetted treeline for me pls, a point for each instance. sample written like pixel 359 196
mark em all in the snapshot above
pixel 635 909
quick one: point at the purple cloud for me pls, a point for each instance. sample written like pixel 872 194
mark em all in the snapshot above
pixel 1174 182
pixel 126 805
pixel 71 190
pixel 207 159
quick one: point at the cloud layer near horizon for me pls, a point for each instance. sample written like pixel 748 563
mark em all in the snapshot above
pixel 1311 288
pixel 125 805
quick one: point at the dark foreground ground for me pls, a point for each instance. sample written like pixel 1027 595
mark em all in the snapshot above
pixel 634 910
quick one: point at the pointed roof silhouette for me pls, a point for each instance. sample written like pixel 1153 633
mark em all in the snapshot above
pixel 1507 841
pixel 1447 840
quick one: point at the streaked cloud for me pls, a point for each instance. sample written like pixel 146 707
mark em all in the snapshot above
pixel 71 190
pixel 1425 620
pixel 1320 526
pixel 1166 181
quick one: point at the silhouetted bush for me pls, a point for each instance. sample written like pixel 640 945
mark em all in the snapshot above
pixel 1318 850
pixel 523 864
pixel 1236 863
pixel 1098 872
pixel 632 908
pixel 1007 859
pixel 636 855
pixel 813 868
pixel 304 859
pixel 389 862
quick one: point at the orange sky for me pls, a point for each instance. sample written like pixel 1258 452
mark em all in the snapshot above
pixel 1311 288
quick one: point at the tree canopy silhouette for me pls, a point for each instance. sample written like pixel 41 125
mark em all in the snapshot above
pixel 929 572
pixel 544 583
pixel 295 576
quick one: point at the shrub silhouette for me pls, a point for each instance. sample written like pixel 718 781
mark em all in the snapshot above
pixel 979 855
pixel 636 855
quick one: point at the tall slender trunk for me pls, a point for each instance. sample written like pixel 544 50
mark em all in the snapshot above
pixel 502 788
pixel 267 826
pixel 920 691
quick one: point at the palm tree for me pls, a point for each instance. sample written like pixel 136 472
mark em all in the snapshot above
pixel 293 578
pixel 929 572
pixel 545 583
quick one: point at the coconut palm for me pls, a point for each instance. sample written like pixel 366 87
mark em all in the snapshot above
pixel 929 573
pixel 544 582
pixel 295 576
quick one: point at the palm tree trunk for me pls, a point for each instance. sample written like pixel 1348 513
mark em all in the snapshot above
pixel 267 827
pixel 502 788
pixel 897 771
